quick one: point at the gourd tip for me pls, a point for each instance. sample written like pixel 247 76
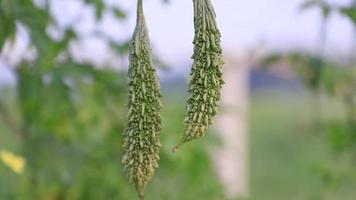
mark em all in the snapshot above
pixel 142 196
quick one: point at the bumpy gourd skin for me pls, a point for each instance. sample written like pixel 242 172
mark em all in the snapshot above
pixel 206 75
pixel 141 136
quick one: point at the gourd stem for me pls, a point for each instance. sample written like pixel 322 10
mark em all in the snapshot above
pixel 139 11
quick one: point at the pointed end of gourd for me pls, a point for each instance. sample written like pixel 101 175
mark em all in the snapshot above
pixel 175 148
pixel 142 196
pixel 141 191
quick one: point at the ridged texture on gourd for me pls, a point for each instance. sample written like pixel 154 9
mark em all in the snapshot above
pixel 206 75
pixel 141 136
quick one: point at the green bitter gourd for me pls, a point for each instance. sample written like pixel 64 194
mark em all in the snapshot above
pixel 206 75
pixel 141 136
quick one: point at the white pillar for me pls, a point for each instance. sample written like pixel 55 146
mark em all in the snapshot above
pixel 232 127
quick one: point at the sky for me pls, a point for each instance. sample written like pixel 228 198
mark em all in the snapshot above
pixel 274 24
pixel 277 24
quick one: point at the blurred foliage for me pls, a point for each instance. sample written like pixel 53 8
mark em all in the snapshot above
pixel 66 118
pixel 307 67
pixel 337 80
pixel 322 5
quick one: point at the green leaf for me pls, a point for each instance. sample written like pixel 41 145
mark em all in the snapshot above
pixel 339 136
pixel 120 48
pixel 99 6
pixel 119 13
pixel 349 12
pixel 7 28
pixel 324 7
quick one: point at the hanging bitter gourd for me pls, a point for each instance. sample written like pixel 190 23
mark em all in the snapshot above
pixel 206 75
pixel 141 136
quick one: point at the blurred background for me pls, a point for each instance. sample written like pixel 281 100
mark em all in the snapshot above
pixel 286 128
